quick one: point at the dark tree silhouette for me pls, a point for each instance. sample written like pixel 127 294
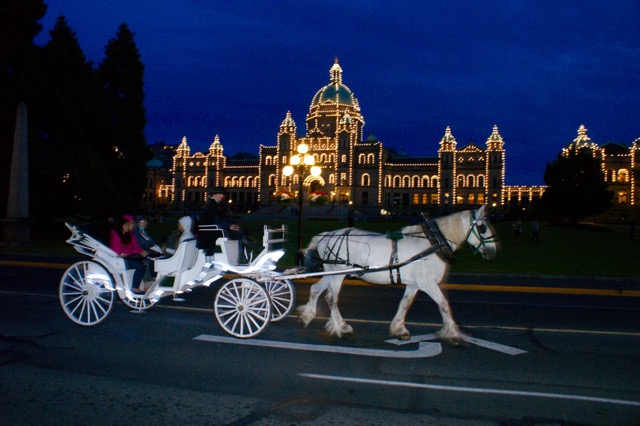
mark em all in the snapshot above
pixel 122 75
pixel 69 171
pixel 576 187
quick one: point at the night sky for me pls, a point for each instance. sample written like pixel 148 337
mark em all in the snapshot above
pixel 537 69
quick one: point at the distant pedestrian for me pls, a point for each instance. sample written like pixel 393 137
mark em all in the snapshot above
pixel 535 231
pixel 517 228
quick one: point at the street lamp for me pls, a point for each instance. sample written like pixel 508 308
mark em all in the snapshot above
pixel 302 163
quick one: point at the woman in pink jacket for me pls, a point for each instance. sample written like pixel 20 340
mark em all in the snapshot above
pixel 122 241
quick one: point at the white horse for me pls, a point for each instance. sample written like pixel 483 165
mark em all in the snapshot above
pixel 419 254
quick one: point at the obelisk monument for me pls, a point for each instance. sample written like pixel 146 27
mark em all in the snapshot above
pixel 17 223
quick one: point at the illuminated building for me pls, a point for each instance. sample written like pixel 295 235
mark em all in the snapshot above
pixel 362 172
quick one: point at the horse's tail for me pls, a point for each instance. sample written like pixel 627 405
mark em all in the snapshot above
pixel 312 260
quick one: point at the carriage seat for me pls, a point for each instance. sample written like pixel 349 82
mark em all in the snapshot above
pixel 207 237
pixel 182 260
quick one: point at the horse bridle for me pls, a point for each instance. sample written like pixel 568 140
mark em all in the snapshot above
pixel 473 230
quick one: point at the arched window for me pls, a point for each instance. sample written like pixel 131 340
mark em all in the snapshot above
pixel 623 175
pixel 227 181
pixel 481 181
pixel 332 178
pixel 371 159
pixel 272 180
pixel 387 181
pixel 434 181
pixel 460 181
pixel 268 160
pixel 397 181
pixel 249 182
pixel 332 158
pixel 323 158
pixel 361 159
pixel 471 180
pixel 406 182
pixel 366 179
pixel 415 182
pixel 241 182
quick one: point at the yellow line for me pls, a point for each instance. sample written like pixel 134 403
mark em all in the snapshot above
pixel 35 264
pixel 465 287
pixel 550 290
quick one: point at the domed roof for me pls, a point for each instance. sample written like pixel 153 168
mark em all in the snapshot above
pixel 154 163
pixel 335 91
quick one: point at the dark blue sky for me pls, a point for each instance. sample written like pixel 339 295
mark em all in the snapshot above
pixel 537 69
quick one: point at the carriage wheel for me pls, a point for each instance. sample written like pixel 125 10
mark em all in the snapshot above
pixel 86 293
pixel 139 303
pixel 242 308
pixel 283 297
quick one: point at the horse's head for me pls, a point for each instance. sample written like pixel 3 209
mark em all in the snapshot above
pixel 481 235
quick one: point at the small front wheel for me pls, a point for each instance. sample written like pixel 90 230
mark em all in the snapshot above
pixel 243 308
pixel 86 293
pixel 283 298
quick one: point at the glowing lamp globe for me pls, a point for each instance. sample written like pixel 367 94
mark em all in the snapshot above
pixel 295 160
pixel 303 148
pixel 287 170
pixel 315 171
pixel 309 160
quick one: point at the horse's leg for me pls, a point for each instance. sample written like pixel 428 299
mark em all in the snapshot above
pixel 449 330
pixel 336 325
pixel 397 328
pixel 308 312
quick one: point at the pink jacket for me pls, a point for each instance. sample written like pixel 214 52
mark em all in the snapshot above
pixel 116 244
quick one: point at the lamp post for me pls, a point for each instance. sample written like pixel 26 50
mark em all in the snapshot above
pixel 302 163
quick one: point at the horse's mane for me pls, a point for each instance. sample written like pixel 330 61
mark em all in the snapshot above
pixel 450 227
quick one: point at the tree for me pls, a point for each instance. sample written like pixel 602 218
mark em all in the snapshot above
pixel 122 75
pixel 69 172
pixel 576 187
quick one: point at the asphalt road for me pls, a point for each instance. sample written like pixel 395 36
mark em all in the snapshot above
pixel 175 365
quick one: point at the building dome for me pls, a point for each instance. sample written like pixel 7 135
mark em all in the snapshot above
pixel 154 163
pixel 335 91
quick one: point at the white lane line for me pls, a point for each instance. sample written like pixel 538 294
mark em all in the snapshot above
pixel 425 349
pixel 494 346
pixel 472 390
pixel 483 343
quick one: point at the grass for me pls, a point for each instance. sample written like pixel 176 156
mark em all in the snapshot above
pixel 563 251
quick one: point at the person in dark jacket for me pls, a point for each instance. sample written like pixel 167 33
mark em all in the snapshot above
pixel 214 214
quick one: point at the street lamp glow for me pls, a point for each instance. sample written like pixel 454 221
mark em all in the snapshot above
pixel 309 160
pixel 315 171
pixel 295 160
pixel 303 148
pixel 287 170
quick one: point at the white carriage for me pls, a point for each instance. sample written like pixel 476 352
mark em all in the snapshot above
pixel 249 299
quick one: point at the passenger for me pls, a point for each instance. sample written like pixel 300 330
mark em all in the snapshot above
pixel 145 241
pixel 185 224
pixel 122 241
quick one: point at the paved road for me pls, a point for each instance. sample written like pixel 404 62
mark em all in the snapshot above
pixel 580 365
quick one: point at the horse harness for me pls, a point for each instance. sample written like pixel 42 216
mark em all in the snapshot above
pixel 430 229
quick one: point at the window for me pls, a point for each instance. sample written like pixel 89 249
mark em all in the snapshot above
pixel 366 180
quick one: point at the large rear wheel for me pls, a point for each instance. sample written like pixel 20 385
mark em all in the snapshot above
pixel 86 293
pixel 242 308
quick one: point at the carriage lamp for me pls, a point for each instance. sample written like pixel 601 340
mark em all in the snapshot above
pixel 303 163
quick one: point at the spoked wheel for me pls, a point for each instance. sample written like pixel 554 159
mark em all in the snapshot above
pixel 86 293
pixel 283 298
pixel 242 308
pixel 139 304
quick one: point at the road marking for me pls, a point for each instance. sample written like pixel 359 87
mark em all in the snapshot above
pixel 425 349
pixel 482 343
pixel 471 390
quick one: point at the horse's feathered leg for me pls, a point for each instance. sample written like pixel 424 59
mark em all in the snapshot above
pixel 336 325
pixel 397 328
pixel 308 312
pixel 449 330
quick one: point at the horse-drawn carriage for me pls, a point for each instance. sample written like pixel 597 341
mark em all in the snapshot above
pixel 244 305
pixel 256 294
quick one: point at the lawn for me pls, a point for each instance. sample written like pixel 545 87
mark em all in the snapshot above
pixel 603 251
